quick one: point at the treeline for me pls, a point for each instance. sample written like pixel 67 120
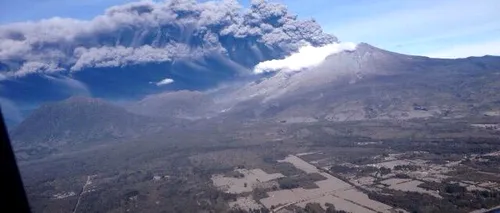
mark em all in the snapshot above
pixel 443 146
pixel 305 181
pixel 315 208
pixel 456 198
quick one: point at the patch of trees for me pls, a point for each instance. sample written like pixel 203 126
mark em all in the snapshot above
pixel 456 198
pixel 313 208
pixel 234 174
pixel 384 171
pixel 260 193
pixel 261 210
pixel 287 169
pixel 288 183
pixel 413 201
pixel 486 163
pixel 305 181
pixel 407 167
pixel 403 176
pixel 454 189
pixel 433 186
pixel 330 208
pixel 316 208
pixel 446 146
pixel 363 160
pixel 342 169
pixel 368 170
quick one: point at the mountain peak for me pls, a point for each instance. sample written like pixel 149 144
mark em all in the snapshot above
pixel 367 48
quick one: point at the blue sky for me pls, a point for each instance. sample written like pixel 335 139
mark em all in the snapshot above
pixel 444 28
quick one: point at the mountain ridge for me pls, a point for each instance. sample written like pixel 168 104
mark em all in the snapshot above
pixel 81 120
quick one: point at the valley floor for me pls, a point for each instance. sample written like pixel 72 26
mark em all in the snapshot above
pixel 312 167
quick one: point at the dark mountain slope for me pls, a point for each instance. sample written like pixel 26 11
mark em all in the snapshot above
pixel 80 120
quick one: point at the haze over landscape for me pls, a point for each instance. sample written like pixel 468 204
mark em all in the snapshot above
pixel 227 106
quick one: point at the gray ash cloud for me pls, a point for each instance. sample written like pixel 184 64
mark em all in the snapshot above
pixel 155 32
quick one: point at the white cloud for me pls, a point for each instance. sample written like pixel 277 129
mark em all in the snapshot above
pixel 165 82
pixel 307 57
pixel 71 86
pixel 466 50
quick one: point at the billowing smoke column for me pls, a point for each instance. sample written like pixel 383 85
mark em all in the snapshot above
pixel 153 32
pixel 307 57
